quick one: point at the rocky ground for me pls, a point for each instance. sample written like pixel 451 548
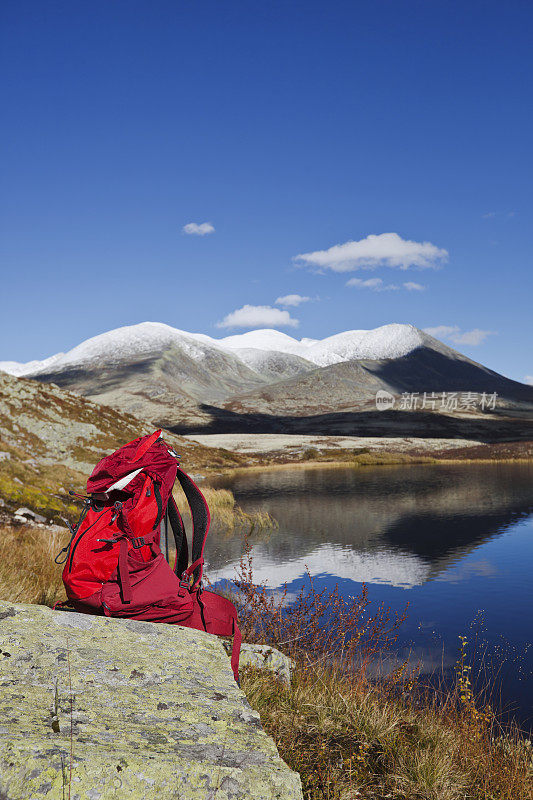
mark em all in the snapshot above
pixel 50 441
pixel 293 444
pixel 269 449
pixel 96 707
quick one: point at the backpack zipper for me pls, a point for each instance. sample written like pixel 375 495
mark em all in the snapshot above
pixel 82 535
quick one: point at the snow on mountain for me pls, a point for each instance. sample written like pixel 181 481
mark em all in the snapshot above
pixel 388 341
pixel 273 364
pixel 19 369
pixel 264 339
pixel 133 340
pixel 114 346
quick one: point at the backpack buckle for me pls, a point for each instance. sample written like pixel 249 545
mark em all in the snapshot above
pixel 139 541
pixel 184 584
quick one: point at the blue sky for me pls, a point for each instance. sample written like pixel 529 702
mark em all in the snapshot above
pixel 291 128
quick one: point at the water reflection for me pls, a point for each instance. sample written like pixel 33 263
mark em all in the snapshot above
pixel 456 541
pixel 401 526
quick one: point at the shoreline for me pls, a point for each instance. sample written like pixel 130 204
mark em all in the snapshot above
pixel 429 462
pixel 274 451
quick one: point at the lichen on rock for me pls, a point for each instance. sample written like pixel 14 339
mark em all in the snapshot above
pixel 115 708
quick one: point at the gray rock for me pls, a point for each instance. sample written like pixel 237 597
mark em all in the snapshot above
pixel 262 656
pixel 93 707
pixel 4 456
pixel 24 514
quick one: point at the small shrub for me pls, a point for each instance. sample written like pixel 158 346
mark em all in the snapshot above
pixel 311 454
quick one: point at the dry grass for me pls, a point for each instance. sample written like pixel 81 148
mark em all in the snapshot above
pixel 385 459
pixel 349 737
pixel 28 573
pixel 352 736
pixel 363 456
pixel 42 491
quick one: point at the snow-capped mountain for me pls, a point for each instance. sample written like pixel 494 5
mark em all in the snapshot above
pixel 114 346
pixel 388 341
pixel 190 381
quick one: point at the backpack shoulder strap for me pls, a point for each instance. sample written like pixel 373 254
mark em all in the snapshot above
pixel 173 518
pixel 200 524
pixel 159 501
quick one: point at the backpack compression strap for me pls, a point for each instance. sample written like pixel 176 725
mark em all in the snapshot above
pixel 200 524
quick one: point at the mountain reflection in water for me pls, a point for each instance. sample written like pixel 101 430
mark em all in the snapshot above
pixel 456 541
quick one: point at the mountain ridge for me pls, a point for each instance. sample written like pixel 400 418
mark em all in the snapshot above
pixel 189 382
pixel 387 341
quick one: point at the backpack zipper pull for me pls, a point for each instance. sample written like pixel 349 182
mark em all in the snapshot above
pixel 118 510
pixel 80 496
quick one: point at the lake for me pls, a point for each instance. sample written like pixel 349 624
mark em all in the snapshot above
pixel 456 541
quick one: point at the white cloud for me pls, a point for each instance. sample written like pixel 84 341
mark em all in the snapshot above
pixel 384 249
pixel 454 334
pixel 529 379
pixel 492 214
pixel 258 317
pixel 198 228
pixel 291 300
pixel 376 284
pixel 443 331
pixel 473 337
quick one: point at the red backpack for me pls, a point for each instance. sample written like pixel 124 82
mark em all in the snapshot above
pixel 115 564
